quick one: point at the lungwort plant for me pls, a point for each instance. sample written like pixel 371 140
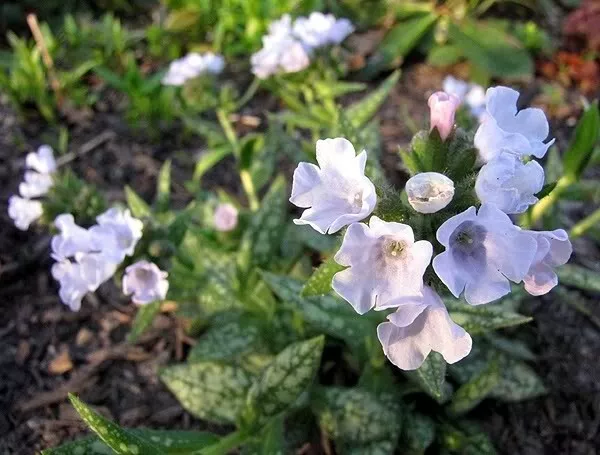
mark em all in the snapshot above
pixel 293 321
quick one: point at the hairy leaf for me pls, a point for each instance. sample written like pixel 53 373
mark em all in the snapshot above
pixel 136 204
pixel 320 281
pixel 473 392
pixel 579 277
pixel 361 112
pixel 143 319
pixel 431 376
pixel 482 318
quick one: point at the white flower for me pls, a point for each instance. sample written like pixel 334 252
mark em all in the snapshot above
pixel 225 217
pixel 503 127
pixel 553 249
pixel 421 325
pixel 72 239
pixel 191 66
pixel 41 161
pixel 473 95
pixel 282 54
pixel 509 184
pixel 24 211
pixel 145 282
pixel 118 233
pixel 483 252
pixel 336 194
pixel 35 184
pixel 385 264
pixel 320 29
pixel 429 192
pixel 456 87
pixel 85 274
pixel 475 99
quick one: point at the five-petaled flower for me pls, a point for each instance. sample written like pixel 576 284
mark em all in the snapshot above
pixel 553 249
pixel 145 282
pixel 337 193
pixel 484 250
pixel 509 183
pixel 505 128
pixel 421 325
pixel 385 265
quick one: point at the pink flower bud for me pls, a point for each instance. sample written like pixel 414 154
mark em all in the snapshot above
pixel 225 217
pixel 443 107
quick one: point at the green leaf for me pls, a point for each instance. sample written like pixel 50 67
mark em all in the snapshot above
pixel 546 190
pixel 320 281
pixel 473 392
pixel 143 319
pixel 209 159
pixel 518 382
pixel 122 441
pixel 372 448
pixel 398 43
pixel 283 381
pixel 209 390
pixel 431 376
pixel 584 139
pixel 326 314
pixel 482 318
pixel 444 55
pixel 418 433
pixel 226 340
pixel 272 438
pixel 163 187
pixel 361 112
pixel 170 442
pixel 465 438
pixel 136 204
pixel 265 231
pixel 491 49
pixel 579 277
pixel 355 416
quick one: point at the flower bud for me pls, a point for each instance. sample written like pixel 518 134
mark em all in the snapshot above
pixel 442 108
pixel 225 218
pixel 429 192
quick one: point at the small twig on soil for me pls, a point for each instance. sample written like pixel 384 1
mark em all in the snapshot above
pixel 83 377
pixel 47 59
pixel 86 148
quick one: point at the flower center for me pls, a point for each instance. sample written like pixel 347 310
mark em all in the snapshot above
pixel 467 243
pixel 356 202
pixel 394 249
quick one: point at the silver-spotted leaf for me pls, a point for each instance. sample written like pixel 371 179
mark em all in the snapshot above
pixel 284 379
pixel 431 377
pixel 354 416
pixel 209 390
pixel 361 112
pixel 579 277
pixel 478 388
pixel 418 433
pixel 483 318
pixel 228 340
pixel 320 281
pixel 122 441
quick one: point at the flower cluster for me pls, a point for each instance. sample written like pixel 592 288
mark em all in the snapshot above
pixel 289 44
pixel 192 66
pixel 472 95
pixel 483 250
pixel 86 258
pixel 26 208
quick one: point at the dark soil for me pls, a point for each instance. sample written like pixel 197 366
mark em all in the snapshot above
pixel 47 351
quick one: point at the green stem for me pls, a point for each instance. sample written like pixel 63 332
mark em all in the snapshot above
pixel 247 96
pixel 228 130
pixel 587 223
pixel 248 186
pixel 226 444
pixel 546 203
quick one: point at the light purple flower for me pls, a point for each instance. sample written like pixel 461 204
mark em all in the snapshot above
pixel 384 262
pixel 225 218
pixel 509 183
pixel 23 212
pixel 192 66
pixel 145 282
pixel 421 325
pixel 72 238
pixel 505 128
pixel 483 252
pixel 337 193
pixel 118 233
pixel 42 160
pixel 442 107
pixel 553 249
